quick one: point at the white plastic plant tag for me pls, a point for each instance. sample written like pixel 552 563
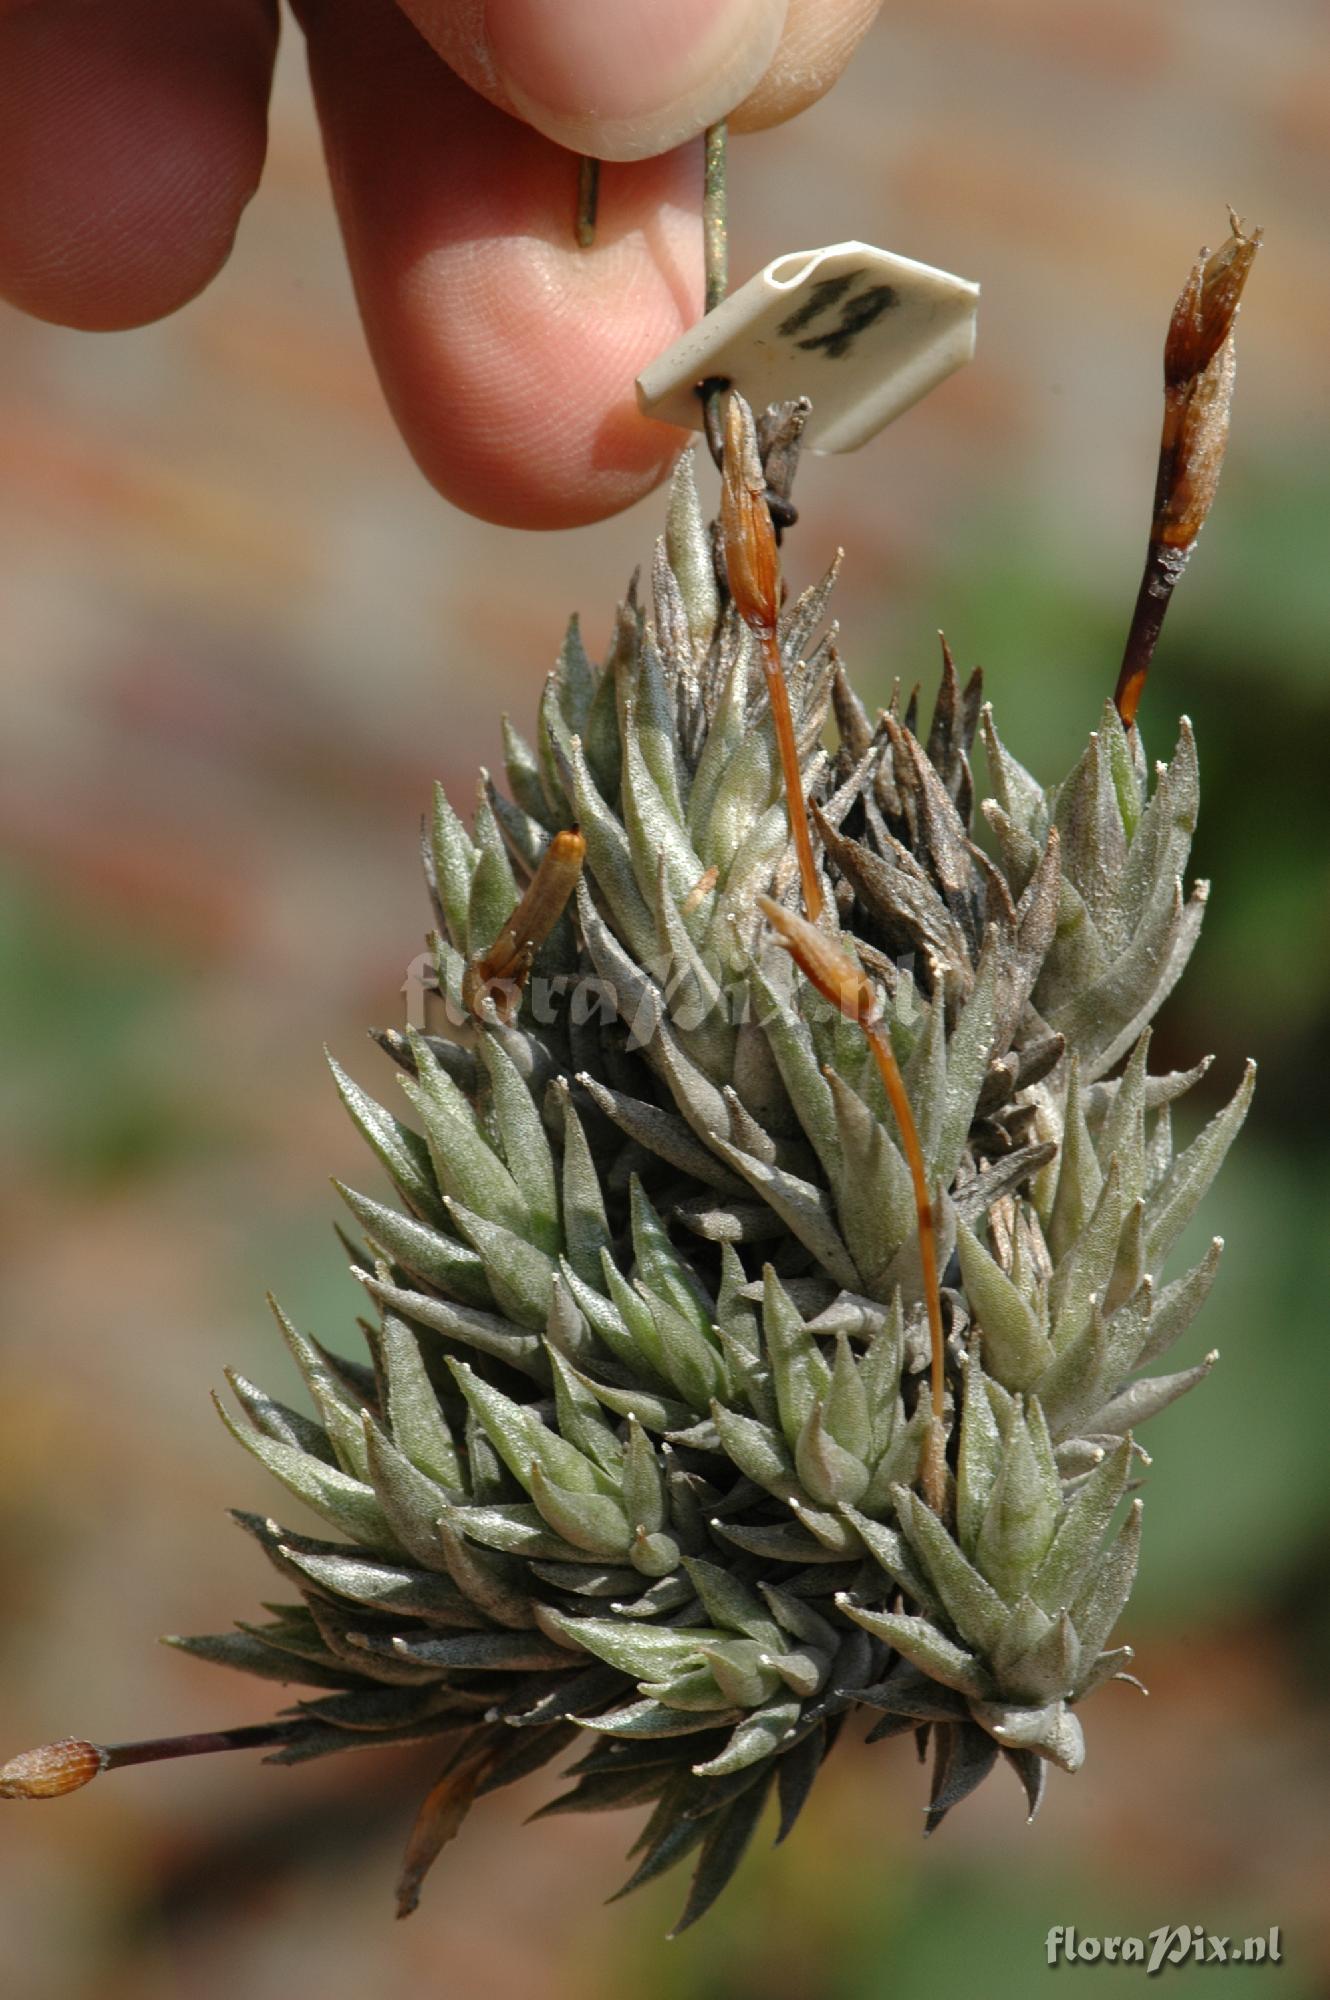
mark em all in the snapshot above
pixel 860 331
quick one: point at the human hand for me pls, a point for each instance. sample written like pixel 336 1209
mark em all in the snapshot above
pixel 132 135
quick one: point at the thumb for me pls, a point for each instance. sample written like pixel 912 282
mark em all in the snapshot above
pixel 620 79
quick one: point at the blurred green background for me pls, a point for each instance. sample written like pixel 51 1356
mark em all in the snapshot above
pixel 240 639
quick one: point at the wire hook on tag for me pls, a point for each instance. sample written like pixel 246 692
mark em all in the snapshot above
pixel 778 444
pixel 781 448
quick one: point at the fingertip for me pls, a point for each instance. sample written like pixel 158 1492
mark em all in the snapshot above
pixel 820 38
pixel 507 354
pixel 131 139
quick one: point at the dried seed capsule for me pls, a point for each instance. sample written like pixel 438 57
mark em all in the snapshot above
pixel 1199 367
pixel 53 1770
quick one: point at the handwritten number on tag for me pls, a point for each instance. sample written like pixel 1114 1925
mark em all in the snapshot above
pixel 857 313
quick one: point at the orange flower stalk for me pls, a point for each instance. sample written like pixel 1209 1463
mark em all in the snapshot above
pixel 753 568
pixel 838 979
pixel 1199 366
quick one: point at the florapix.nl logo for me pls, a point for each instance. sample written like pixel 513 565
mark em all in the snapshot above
pixel 1168 1944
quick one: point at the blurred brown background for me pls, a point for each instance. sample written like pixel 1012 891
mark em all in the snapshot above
pixel 240 637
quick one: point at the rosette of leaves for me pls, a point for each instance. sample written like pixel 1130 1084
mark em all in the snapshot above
pixel 632 1466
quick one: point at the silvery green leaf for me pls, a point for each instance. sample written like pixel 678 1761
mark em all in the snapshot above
pixel 760 1454
pixel 799 1371
pixel 402 1151
pixel 1080 1178
pixel 653 1412
pixel 1020 1518
pixel 526 1149
pixel 1099 1602
pixel 777 1541
pixel 590 1521
pixel 660 1267
pixel 493 892
pixel 663 1133
pixel 1020 797
pixel 643 1652
pixel 466 1167
pixel 792 1046
pixel 411 1502
pixel 621 1320
pixel 520 1276
pixel 920 1642
pixel 425 1253
pixel 963 1758
pixel 1025 1628
pixel 249 1655
pixel 796 1616
pixel 694 1363
pixel 1109 1666
pixel 454 858
pixel 1144 1399
pixel 415 1417
pixel 736 1668
pixel 348 1503
pixel 640 1721
pixel 1094 841
pixel 339 1413
pixel 1014 1345
pixel 691 983
pixel 1122 1135
pixel 804 1209
pixel 493 1583
pixel 523 773
pixel 656 733
pixel 1163 836
pixel 1049 1669
pixel 521 1439
pixel 688 546
pixel 483 1331
pixel 879 1371
pixel 579 1418
pixel 643 1486
pixel 481 1652
pixel 609 860
pixel 758 1736
pixel 973 1606
pixel 1178 1304
pixel 829 1473
pixel 1076 1544
pixel 1083 1276
pixel 515 1528
pixel 874 1195
pixel 888 1546
pixel 979 1457
pixel 1052 1731
pixel 576 677
pixel 278 1421
pixel 1173 1204
pixel 525 837
pixel 967 1052
pixel 656 836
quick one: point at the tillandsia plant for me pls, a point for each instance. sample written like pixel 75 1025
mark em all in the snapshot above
pixel 785 1201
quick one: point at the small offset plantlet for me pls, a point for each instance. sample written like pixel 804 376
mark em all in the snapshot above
pixel 778 1275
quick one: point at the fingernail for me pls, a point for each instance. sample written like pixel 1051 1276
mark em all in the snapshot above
pixel 625 79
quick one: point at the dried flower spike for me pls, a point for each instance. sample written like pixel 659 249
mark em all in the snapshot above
pixel 838 979
pixel 1199 367
pixel 753 568
pixel 500 973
